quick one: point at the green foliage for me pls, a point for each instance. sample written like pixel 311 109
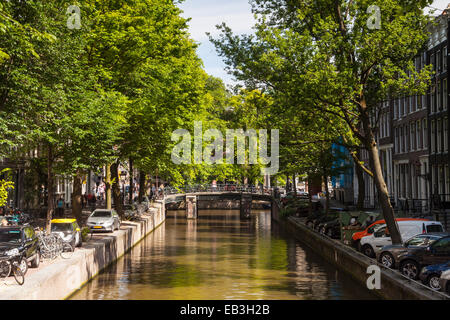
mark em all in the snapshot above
pixel 5 185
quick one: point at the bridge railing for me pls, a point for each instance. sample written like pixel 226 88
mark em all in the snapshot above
pixel 219 188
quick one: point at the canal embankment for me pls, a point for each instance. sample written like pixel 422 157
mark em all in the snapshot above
pixel 61 278
pixel 394 286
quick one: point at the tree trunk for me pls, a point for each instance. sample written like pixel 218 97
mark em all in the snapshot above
pixel 76 197
pixel 361 184
pixel 383 194
pixel 108 186
pixel 294 184
pixel 142 185
pixel 50 187
pixel 327 194
pixel 131 190
pixel 288 184
pixel 116 188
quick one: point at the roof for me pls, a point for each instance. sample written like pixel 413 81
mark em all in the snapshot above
pixel 63 220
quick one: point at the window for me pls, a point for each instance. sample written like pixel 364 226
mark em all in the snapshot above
pixel 418 135
pixel 438 96
pixel 412 136
pixel 425 134
pixel 396 140
pixel 444 94
pixel 433 178
pixel 442 245
pixel 433 62
pixel 444 64
pixel 433 99
pixel 401 146
pixel 439 136
pixel 433 134
pixel 447 182
pixel 395 108
pixel 406 138
pixel 445 124
pixel 438 61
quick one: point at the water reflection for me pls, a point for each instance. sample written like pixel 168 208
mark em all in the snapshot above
pixel 219 256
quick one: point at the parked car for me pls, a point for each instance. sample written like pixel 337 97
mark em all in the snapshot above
pixel 103 220
pixel 444 282
pixel 331 228
pixel 389 255
pixel 373 243
pixel 430 275
pixel 369 230
pixel 23 241
pixel 411 262
pixel 68 230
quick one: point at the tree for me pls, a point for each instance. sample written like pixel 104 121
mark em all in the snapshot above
pixel 327 58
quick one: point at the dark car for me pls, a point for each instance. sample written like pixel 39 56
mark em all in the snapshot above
pixel 314 220
pixel 23 241
pixel 411 261
pixel 444 281
pixel 331 228
pixel 389 255
pixel 430 275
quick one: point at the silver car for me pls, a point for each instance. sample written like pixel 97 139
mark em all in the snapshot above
pixel 104 220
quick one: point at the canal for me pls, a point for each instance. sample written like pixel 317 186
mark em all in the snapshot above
pixel 219 257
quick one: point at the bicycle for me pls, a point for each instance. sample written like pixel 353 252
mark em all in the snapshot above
pixel 52 246
pixel 11 264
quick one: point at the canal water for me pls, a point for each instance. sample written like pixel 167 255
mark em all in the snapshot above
pixel 219 257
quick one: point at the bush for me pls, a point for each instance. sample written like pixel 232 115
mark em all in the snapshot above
pixel 287 212
pixel 85 233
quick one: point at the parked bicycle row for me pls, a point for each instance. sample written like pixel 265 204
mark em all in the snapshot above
pixel 24 245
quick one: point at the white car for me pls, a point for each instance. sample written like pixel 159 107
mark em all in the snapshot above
pixel 373 243
pixel 104 220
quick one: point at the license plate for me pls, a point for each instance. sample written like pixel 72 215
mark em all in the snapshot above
pixel 97 227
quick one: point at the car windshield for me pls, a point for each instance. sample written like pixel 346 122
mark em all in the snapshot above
pixel 101 214
pixel 61 227
pixel 421 240
pixel 12 236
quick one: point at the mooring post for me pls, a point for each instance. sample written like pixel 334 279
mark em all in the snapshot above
pixel 191 207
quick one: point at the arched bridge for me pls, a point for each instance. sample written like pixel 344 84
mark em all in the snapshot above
pixel 243 198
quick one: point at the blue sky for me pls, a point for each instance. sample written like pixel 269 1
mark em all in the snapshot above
pixel 205 14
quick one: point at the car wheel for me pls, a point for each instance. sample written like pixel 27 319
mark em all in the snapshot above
pixel 23 265
pixel 410 269
pixel 368 251
pixel 36 261
pixel 433 282
pixel 387 260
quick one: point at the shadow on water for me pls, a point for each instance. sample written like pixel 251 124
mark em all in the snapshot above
pixel 218 256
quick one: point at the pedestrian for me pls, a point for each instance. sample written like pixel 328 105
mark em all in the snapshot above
pixel 153 191
pixel 60 207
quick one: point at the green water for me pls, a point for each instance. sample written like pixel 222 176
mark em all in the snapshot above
pixel 218 256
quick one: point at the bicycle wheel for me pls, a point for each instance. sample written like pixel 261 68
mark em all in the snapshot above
pixel 18 275
pixel 67 250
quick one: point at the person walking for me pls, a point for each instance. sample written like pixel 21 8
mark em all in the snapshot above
pixel 60 207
